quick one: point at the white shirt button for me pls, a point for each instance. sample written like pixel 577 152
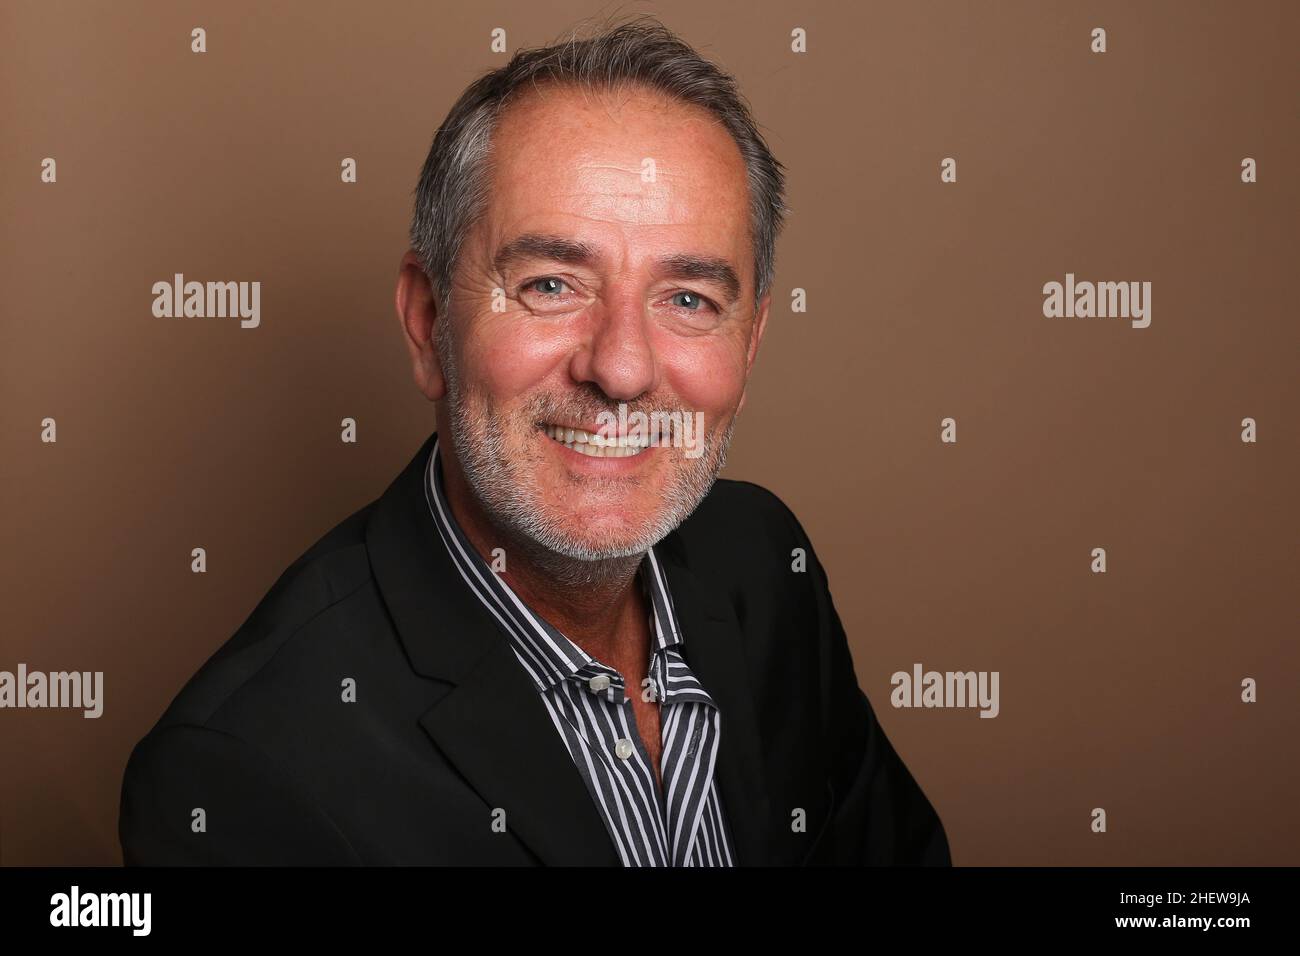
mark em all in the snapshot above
pixel 623 749
pixel 598 683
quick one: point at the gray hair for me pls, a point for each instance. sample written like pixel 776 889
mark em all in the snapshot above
pixel 452 190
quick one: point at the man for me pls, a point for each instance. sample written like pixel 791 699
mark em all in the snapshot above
pixel 555 638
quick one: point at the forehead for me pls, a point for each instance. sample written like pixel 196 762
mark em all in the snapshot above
pixel 631 163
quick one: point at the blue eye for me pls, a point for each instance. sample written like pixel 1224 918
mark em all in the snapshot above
pixel 693 301
pixel 549 280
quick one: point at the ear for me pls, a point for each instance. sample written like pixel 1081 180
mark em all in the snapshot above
pixel 755 340
pixel 417 311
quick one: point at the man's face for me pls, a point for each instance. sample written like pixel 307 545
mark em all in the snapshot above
pixel 613 265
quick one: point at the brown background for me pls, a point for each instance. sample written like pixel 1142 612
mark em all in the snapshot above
pixel 1118 691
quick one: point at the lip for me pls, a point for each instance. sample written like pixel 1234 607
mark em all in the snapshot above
pixel 606 466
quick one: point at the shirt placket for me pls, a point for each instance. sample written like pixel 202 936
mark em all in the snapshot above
pixel 629 758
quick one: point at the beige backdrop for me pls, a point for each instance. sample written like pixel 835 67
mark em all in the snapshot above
pixel 1119 690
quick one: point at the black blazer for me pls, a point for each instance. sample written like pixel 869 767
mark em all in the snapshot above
pixel 261 749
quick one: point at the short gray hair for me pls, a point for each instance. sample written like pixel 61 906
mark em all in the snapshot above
pixel 452 190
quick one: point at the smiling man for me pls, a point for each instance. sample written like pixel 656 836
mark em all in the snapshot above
pixel 557 637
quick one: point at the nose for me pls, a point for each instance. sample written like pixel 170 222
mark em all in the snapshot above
pixel 618 355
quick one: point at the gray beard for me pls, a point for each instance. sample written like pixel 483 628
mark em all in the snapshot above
pixel 504 490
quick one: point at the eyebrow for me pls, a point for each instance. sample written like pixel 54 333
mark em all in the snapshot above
pixel 532 245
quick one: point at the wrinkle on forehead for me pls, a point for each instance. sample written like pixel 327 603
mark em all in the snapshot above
pixel 679 138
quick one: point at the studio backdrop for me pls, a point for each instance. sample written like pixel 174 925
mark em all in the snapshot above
pixel 1030 379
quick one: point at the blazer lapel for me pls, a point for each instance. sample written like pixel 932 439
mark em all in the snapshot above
pixel 714 648
pixel 490 722
pixel 497 731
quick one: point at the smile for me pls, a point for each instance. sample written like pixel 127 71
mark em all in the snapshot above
pixel 594 446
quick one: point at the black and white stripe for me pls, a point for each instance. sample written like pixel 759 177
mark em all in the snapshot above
pixel 684 824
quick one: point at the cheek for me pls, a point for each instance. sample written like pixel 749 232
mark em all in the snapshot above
pixel 509 360
pixel 707 376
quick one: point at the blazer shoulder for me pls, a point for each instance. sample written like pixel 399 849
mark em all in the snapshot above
pixel 741 540
pixel 738 512
pixel 332 572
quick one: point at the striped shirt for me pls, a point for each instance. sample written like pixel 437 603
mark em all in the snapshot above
pixel 680 825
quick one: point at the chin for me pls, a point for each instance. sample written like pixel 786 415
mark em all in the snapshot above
pixel 612 535
pixel 589 533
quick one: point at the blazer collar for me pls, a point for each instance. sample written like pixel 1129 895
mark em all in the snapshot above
pixel 489 719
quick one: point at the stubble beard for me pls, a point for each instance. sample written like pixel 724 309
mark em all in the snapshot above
pixel 505 484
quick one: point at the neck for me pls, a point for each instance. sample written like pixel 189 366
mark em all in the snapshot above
pixel 596 604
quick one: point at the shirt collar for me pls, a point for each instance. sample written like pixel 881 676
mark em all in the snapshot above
pixel 547 654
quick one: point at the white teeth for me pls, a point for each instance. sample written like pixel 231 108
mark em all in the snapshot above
pixel 594 446
pixel 622 441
